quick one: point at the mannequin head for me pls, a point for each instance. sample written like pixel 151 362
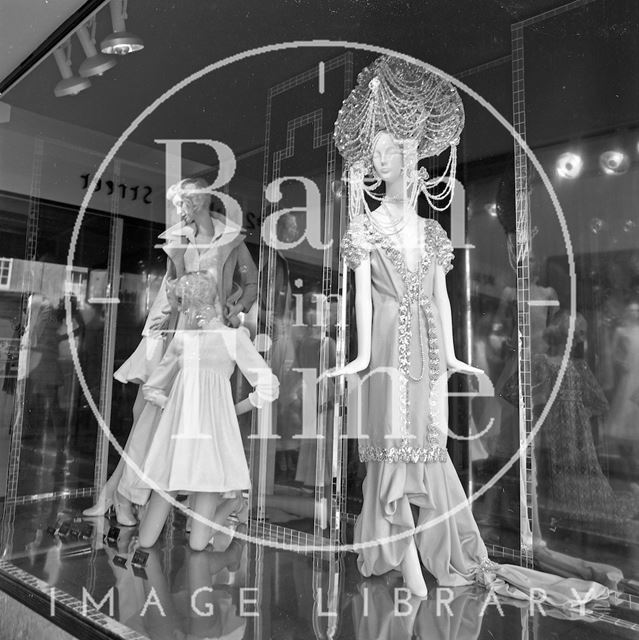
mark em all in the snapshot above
pixel 188 197
pixel 287 228
pixel 388 160
pixel 395 163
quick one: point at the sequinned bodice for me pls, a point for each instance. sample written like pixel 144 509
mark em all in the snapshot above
pixel 406 330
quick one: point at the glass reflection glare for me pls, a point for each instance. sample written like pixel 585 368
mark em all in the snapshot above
pixel 614 162
pixel 569 165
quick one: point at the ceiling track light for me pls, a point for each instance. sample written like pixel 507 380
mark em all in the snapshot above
pixel 96 63
pixel 120 42
pixel 70 85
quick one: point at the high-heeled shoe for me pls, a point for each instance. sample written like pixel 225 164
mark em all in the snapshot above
pixel 240 513
pixel 105 506
pixel 100 508
pixel 124 512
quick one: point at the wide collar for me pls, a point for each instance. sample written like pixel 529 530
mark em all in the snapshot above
pixel 181 233
pixel 178 237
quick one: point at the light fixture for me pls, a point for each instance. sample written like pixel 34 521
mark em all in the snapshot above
pixel 70 85
pixel 120 42
pixel 569 165
pixel 96 63
pixel 614 162
pixel 491 209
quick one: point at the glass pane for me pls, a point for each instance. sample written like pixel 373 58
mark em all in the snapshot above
pixel 485 318
pixel 584 390
pixel 58 431
pixel 298 300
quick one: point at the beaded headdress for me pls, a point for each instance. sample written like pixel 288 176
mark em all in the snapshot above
pixel 419 108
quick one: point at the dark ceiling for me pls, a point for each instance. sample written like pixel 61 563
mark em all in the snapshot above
pixel 183 37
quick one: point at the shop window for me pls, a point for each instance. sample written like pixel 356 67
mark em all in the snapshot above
pixel 77 284
pixel 6 266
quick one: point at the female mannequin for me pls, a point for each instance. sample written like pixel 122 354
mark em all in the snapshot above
pixel 197 447
pixel 397 114
pixel 201 240
pixel 388 164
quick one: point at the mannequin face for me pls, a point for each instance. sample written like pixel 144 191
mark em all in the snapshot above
pixel 387 158
pixel 184 207
pixel 189 205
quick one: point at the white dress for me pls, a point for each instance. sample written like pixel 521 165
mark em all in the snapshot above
pixel 197 445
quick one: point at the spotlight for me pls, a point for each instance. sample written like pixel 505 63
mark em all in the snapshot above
pixel 120 42
pixel 569 165
pixel 96 63
pixel 614 162
pixel 70 85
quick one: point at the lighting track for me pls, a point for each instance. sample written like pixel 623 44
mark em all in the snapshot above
pixel 66 29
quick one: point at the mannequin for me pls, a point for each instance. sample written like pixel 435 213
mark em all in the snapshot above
pixel 397 114
pixel 197 447
pixel 192 244
pixel 389 165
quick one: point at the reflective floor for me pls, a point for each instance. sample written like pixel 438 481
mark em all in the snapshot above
pixel 239 590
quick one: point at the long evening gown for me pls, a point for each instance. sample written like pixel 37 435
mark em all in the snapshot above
pixel 402 421
pixel 571 483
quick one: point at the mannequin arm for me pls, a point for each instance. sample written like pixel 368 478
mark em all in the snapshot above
pixel 244 406
pixel 160 311
pixel 248 277
pixel 448 346
pixel 364 321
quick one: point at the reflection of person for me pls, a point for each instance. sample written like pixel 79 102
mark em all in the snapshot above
pixel 46 334
pixel 570 481
pixel 44 370
pixel 404 326
pixel 623 420
pixel 200 241
pixel 197 447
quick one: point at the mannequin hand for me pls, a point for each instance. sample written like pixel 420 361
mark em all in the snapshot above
pixel 351 368
pixel 457 366
pixel 232 314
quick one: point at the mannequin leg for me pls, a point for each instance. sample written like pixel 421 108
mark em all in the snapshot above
pixel 412 571
pixel 230 506
pixel 206 505
pixel 154 519
pixel 105 499
pixel 109 494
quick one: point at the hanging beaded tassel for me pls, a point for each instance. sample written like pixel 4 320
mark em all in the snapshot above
pixel 412 104
pixel 424 114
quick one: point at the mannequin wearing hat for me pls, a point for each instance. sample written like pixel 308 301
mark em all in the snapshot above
pixel 398 114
